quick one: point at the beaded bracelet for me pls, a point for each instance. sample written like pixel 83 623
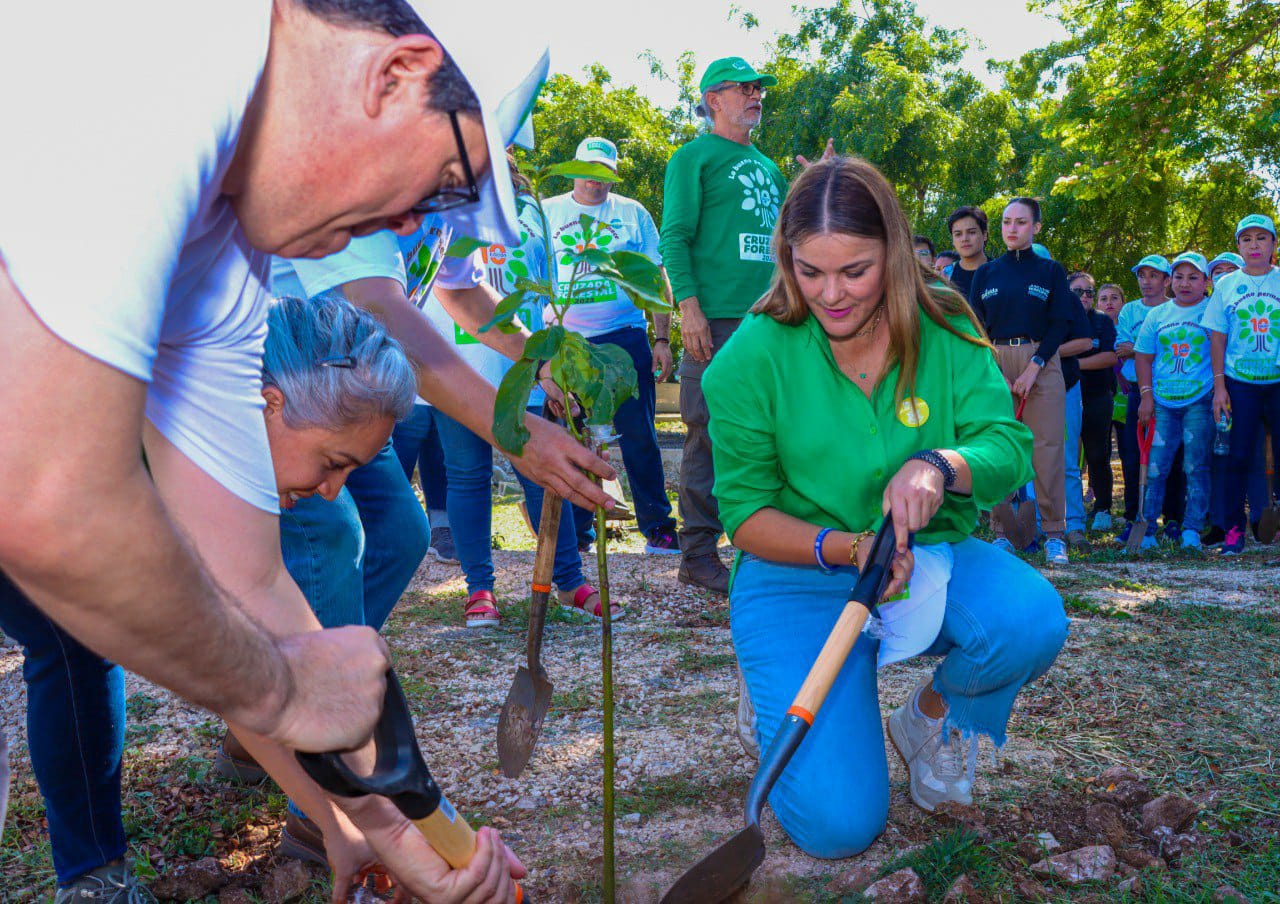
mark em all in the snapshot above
pixel 817 551
pixel 932 457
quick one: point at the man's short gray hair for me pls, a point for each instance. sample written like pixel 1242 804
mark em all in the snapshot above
pixel 448 88
pixel 334 364
pixel 704 109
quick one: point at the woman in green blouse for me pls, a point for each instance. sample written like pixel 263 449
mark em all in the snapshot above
pixel 861 387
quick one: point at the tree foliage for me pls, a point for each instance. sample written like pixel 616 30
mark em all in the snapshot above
pixel 1152 127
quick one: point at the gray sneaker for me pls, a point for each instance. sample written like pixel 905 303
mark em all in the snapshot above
pixel 940 768
pixel 442 546
pixel 114 883
pixel 747 720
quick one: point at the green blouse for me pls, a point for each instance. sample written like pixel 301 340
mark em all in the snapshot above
pixel 790 431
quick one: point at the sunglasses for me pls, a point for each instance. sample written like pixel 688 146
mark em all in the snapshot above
pixel 449 198
pixel 746 89
pixel 1083 293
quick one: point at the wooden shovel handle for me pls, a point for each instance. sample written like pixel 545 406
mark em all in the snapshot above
pixel 450 837
pixel 830 661
pixel 543 565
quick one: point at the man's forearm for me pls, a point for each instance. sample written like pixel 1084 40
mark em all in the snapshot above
pixel 472 308
pixel 662 326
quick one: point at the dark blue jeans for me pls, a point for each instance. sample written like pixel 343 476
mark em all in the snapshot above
pixel 1251 406
pixel 469 460
pixel 1255 485
pixel 638 440
pixel 417 442
pixel 1175 489
pixel 75 733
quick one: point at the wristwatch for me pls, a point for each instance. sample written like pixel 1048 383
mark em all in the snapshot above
pixel 1037 361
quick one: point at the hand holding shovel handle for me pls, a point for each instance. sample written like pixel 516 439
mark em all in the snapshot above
pixel 400 773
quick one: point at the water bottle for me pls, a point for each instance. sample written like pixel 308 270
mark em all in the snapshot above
pixel 1222 436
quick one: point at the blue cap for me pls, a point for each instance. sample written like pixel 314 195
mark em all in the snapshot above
pixel 1194 258
pixel 1155 262
pixel 1227 257
pixel 1256 221
pixel 1042 251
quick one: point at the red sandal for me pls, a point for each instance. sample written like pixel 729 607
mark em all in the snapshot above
pixel 482 610
pixel 578 600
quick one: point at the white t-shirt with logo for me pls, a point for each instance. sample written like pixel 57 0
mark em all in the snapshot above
pixel 605 306
pixel 1179 342
pixel 1247 309
pixel 129 129
pixel 1128 325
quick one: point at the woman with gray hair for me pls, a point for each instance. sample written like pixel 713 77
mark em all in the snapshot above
pixel 334 384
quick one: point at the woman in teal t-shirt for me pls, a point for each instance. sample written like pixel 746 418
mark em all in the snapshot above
pixel 856 361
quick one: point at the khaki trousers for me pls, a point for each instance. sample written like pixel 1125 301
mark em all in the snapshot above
pixel 1046 415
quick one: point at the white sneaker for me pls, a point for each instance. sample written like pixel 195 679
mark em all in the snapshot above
pixel 1002 544
pixel 747 720
pixel 1102 521
pixel 939 768
pixel 1191 539
pixel 1055 551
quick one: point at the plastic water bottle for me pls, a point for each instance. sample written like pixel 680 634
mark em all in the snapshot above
pixel 1222 436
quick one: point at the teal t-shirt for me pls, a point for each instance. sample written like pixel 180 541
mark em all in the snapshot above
pixel 1180 369
pixel 1127 326
pixel 1247 309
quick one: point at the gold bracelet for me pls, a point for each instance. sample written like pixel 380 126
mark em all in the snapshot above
pixel 857 542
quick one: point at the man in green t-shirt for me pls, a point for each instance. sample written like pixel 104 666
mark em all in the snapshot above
pixel 721 202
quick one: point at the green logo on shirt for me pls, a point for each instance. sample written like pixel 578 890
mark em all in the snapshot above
pixel 759 193
pixel 1183 349
pixel 1255 322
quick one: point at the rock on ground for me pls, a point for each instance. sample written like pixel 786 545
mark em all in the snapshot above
pixel 286 882
pixel 1171 810
pixel 962 891
pixel 1107 820
pixel 902 887
pixel 853 880
pixel 235 895
pixel 191 881
pixel 1087 864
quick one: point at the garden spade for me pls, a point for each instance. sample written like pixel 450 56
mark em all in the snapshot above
pixel 1269 523
pixel 719 875
pixel 1146 436
pixel 1019 524
pixel 530 696
pixel 398 772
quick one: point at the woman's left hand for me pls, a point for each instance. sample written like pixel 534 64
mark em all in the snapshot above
pixel 912 498
pixel 1026 380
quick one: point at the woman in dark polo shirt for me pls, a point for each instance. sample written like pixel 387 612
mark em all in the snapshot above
pixel 858 386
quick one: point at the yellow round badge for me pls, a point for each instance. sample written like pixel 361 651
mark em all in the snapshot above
pixel 913 412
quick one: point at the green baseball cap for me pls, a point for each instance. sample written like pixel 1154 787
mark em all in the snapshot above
pixel 733 69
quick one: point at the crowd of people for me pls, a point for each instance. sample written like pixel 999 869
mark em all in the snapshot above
pixel 276 323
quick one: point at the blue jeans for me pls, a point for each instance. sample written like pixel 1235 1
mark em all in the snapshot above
pixel 1255 485
pixel 1175 489
pixel 638 440
pixel 353 557
pixel 469 461
pixel 75 734
pixel 1251 406
pixel 833 798
pixel 1191 429
pixel 1071 453
pixel 417 443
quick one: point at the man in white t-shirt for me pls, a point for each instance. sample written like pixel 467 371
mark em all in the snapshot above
pixel 287 128
pixel 605 314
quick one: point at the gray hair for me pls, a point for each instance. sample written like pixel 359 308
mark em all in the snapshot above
pixel 704 109
pixel 448 89
pixel 335 365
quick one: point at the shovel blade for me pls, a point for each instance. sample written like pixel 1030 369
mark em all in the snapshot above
pixel 1024 525
pixel 1269 524
pixel 1136 533
pixel 722 873
pixel 521 719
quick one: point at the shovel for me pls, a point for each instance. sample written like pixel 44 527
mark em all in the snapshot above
pixel 1269 523
pixel 530 696
pixel 719 875
pixel 400 773
pixel 1019 525
pixel 1146 436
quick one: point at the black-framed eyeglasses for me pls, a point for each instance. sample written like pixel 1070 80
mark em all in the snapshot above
pixel 1083 293
pixel 746 89
pixel 454 196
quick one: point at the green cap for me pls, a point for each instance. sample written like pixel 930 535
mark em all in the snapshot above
pixel 733 69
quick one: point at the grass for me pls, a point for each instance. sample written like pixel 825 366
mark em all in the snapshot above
pixel 957 851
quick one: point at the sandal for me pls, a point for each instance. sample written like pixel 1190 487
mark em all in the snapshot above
pixel 578 600
pixel 482 610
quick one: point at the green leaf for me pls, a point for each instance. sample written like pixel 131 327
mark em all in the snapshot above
pixel 463 245
pixel 640 277
pixel 575 169
pixel 518 268
pixel 545 343
pixel 597 258
pixel 505 309
pixel 586 221
pixel 618 382
pixel 509 430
